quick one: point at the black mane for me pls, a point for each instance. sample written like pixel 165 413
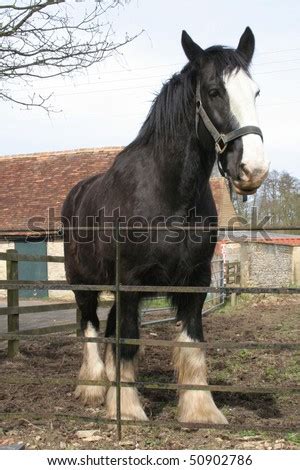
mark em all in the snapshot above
pixel 172 105
pixel 170 108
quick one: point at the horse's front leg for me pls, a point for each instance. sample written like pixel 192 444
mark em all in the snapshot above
pixel 92 367
pixel 131 407
pixel 194 405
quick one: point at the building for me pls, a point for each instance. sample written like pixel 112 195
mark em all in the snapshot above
pixel 271 261
pixel 32 190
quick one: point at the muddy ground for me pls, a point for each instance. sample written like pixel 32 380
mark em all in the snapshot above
pixel 264 319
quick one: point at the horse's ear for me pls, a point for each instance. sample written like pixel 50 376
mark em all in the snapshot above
pixel 247 45
pixel 191 49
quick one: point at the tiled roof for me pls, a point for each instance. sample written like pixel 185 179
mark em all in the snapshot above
pixel 281 241
pixel 31 184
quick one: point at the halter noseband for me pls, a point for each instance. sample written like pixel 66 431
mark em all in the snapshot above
pixel 221 140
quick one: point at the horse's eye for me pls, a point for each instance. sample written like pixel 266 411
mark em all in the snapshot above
pixel 213 93
pixel 257 93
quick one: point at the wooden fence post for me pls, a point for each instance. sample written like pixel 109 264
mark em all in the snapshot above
pixel 12 301
pixel 233 299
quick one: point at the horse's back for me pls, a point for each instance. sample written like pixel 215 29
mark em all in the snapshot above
pixel 76 195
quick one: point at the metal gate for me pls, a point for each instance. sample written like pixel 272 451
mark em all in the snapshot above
pixel 162 311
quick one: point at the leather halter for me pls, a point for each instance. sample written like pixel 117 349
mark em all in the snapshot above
pixel 221 140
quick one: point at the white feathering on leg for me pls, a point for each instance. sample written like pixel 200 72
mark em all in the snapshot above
pixel 92 369
pixel 131 408
pixel 194 405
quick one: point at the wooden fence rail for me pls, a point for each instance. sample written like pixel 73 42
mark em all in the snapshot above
pixel 13 310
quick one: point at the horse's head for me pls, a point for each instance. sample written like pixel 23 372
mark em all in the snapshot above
pixel 225 107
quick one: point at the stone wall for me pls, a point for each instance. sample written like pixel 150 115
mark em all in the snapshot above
pixel 296 265
pixel 266 265
pixel 3 247
pixel 232 252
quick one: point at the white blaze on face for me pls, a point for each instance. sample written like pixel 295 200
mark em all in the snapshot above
pixel 242 90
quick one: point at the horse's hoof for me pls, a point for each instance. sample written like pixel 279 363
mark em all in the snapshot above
pixel 131 408
pixel 212 418
pixel 138 415
pixel 199 407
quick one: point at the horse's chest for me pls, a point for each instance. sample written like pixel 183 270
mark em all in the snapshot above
pixel 184 256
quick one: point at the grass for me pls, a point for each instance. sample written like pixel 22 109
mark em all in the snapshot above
pixel 292 371
pixel 164 302
pixel 293 437
pixel 250 433
pixel 156 302
pixel 245 354
pixel 241 301
pixel 289 372
pixel 269 369
pixel 272 373
pixel 153 443
pixel 234 363
pixel 221 377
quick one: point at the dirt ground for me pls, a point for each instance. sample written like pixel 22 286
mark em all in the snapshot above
pixel 263 319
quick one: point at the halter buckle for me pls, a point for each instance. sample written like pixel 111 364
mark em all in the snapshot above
pixel 220 144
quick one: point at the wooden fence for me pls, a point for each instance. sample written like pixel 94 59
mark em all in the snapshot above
pixel 13 336
pixel 14 310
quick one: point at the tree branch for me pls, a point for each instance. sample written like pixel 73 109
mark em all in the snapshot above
pixel 42 40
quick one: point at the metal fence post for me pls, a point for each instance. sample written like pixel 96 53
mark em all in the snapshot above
pixel 78 321
pixel 12 301
pixel 118 333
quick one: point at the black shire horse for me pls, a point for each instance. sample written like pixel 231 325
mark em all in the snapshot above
pixel 163 177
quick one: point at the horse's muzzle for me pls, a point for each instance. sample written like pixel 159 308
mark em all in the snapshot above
pixel 244 192
pixel 248 182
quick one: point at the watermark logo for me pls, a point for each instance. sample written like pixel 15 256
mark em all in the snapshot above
pixel 110 227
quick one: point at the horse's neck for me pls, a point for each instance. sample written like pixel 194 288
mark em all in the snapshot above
pixel 186 169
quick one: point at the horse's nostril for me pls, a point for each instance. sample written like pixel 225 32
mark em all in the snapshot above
pixel 244 170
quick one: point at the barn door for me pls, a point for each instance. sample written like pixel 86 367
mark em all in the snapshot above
pixel 32 271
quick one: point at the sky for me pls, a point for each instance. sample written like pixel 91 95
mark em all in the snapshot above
pixel 107 105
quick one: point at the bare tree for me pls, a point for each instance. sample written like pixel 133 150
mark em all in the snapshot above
pixel 278 199
pixel 49 38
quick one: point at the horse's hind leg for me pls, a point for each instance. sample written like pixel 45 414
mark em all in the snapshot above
pixel 92 366
pixel 131 408
pixel 194 405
